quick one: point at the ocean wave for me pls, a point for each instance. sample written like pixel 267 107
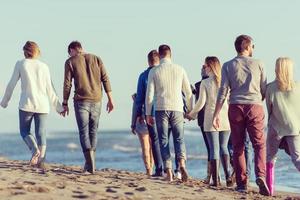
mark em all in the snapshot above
pixel 125 148
pixel 72 146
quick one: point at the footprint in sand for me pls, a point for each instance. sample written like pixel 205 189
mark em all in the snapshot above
pixel 129 193
pixel 132 184
pixel 29 182
pixel 110 190
pixel 18 192
pixel 141 189
pixel 81 196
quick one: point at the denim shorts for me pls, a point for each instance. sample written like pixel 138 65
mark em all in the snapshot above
pixel 141 128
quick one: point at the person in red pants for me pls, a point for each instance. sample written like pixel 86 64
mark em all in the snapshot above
pixel 244 78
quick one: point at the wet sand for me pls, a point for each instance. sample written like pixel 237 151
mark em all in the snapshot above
pixel 18 180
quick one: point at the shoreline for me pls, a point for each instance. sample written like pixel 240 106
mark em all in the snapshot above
pixel 18 180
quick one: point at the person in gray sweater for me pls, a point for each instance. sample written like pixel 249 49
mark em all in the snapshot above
pixel 244 79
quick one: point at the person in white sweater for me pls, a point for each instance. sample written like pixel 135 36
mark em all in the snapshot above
pixel 36 91
pixel 167 82
pixel 217 138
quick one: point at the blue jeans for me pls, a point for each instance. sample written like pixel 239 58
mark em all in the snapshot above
pixel 87 116
pixel 218 143
pixel 176 159
pixel 155 149
pixel 164 120
pixel 25 119
pixel 248 153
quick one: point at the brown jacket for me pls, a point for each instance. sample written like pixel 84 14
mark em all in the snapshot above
pixel 89 74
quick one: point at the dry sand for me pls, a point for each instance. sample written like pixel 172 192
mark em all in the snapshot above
pixel 20 181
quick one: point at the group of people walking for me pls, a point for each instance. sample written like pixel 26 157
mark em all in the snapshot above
pixel 230 112
pixel 229 108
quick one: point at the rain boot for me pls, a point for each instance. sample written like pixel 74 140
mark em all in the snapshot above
pixel 270 177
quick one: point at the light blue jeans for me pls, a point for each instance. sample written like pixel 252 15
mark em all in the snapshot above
pixel 218 143
pixel 25 120
pixel 87 116
pixel 175 120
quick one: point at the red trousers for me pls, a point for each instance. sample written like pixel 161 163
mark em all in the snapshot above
pixel 250 118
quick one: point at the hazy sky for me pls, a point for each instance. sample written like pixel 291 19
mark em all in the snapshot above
pixel 122 32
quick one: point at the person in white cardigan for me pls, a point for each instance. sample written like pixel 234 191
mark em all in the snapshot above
pixel 217 138
pixel 36 91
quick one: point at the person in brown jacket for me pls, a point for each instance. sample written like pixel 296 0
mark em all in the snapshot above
pixel 89 75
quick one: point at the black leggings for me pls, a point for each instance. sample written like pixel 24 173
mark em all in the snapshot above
pixel 206 142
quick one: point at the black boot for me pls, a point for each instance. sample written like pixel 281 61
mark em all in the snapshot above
pixel 225 163
pixel 89 165
pixel 215 172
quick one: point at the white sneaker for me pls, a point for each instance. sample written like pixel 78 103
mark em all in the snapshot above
pixel 178 175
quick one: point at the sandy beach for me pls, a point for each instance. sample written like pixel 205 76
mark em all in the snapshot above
pixel 18 180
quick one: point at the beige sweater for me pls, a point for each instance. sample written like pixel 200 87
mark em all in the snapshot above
pixel 167 82
pixel 208 93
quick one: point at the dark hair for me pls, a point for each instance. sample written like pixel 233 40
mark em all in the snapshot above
pixel 74 45
pixel 164 50
pixel 152 55
pixel 242 42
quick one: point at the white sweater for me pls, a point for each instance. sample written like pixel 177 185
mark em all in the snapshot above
pixel 167 82
pixel 208 92
pixel 36 87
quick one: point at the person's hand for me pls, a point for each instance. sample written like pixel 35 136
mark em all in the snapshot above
pixel 140 119
pixel 109 106
pixel 133 130
pixel 189 117
pixel 150 120
pixel 216 122
pixel 66 111
pixel 3 105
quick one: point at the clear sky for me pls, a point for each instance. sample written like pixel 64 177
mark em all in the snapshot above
pixel 122 32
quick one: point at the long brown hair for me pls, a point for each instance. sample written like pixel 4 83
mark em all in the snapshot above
pixel 214 64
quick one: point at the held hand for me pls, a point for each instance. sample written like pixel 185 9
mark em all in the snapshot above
pixel 150 120
pixel 189 117
pixel 3 105
pixel 133 130
pixel 110 106
pixel 141 119
pixel 216 122
pixel 66 111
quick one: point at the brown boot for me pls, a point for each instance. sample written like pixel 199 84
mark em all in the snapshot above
pixel 208 176
pixel 215 172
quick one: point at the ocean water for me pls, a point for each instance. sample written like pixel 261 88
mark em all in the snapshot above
pixel 121 150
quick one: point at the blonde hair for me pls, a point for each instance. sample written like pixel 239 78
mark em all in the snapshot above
pixel 214 64
pixel 284 73
pixel 31 49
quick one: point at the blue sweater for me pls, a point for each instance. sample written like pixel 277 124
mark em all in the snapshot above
pixel 141 92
